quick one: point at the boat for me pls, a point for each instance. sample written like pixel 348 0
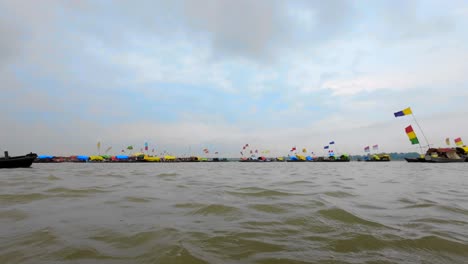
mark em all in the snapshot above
pixel 342 158
pixel 443 155
pixel 379 158
pixel 17 161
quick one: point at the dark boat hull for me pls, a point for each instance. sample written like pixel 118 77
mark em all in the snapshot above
pixel 445 160
pixel 17 162
pixel 415 160
pixel 377 160
pixel 332 160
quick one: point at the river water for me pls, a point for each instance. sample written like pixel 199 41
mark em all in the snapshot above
pixel 356 212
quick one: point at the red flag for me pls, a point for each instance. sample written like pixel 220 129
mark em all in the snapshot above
pixel 146 148
pixel 293 149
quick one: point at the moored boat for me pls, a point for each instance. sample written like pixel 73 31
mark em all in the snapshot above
pixel 443 155
pixel 379 158
pixel 25 161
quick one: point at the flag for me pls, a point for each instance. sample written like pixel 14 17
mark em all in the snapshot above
pixel 242 153
pixel 458 142
pixel 411 135
pixel 99 146
pixel 152 150
pixel 108 149
pixel 256 151
pixel 216 152
pixel 375 147
pixel 447 141
pixel 404 112
pixel 243 147
pixel 293 149
pixel 367 149
pixel 251 151
pixel 304 150
pixel 146 146
pixel 332 142
pixel 123 150
pixel 130 147
pixel 326 147
pixel 246 145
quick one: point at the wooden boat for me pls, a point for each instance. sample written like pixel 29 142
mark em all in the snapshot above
pixel 379 158
pixel 342 158
pixel 443 155
pixel 17 161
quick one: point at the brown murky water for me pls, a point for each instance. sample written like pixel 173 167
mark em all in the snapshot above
pixel 353 212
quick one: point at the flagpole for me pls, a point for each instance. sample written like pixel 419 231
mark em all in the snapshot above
pixel 422 132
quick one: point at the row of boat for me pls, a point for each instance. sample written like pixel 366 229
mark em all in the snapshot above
pixel 433 155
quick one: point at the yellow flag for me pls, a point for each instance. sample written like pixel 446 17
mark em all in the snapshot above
pixel 99 145
pixel 304 150
pixel 447 141
pixel 407 111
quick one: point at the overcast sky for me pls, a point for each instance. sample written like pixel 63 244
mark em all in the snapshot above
pixel 189 75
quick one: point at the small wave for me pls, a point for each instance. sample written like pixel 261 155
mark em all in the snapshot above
pixel 440 221
pixel 15 215
pixel 258 192
pixel 217 209
pixel 135 199
pixel 339 194
pixel 238 248
pixel 421 205
pixel 346 217
pixel 363 242
pixel 268 208
pixel 122 241
pixel 53 178
pixel 162 175
pixel 66 192
pixel 7 199
pixel 74 253
pixel 189 205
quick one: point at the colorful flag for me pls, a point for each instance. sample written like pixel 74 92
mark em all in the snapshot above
pixel 404 112
pixel 447 141
pixel 304 150
pixel 367 149
pixel 332 142
pixel 256 151
pixel 293 149
pixel 411 135
pixel 130 147
pixel 375 147
pixel 458 142
pixel 146 146
pixel 326 147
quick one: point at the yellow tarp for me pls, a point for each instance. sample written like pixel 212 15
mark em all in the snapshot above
pixel 300 157
pixel 152 159
pixel 96 158
pixel 167 157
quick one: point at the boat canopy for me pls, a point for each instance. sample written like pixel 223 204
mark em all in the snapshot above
pixel 45 157
pixel 122 157
pixel 96 158
pixel 152 159
pixel 82 157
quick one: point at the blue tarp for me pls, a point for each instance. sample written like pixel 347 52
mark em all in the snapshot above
pixel 293 158
pixel 122 157
pixel 309 158
pixel 45 157
pixel 82 157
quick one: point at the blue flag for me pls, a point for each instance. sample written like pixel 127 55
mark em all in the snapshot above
pixel 326 147
pixel 332 142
